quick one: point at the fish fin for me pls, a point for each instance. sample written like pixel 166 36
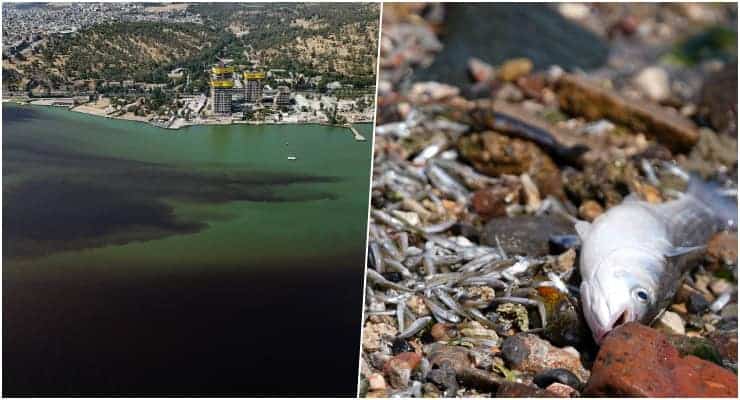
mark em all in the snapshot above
pixel 679 251
pixel 583 228
pixel 709 193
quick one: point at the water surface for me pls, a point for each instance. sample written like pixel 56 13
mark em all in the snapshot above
pixel 139 260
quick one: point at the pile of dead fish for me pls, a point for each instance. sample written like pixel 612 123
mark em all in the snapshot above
pixel 472 280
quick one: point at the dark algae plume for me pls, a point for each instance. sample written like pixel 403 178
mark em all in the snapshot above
pixel 142 261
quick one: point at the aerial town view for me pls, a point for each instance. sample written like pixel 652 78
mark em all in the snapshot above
pixel 223 256
pixel 237 64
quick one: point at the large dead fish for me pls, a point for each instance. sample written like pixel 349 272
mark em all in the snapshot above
pixel 634 256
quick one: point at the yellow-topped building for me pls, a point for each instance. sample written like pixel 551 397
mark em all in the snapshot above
pixel 222 84
pixel 253 86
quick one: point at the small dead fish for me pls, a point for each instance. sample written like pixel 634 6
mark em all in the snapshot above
pixel 635 255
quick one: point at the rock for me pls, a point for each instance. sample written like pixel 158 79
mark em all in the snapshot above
pixel 565 326
pixel 726 343
pixel 398 369
pixel 561 243
pixel 722 249
pixel 480 70
pixel 653 82
pixel 603 181
pixel 492 202
pixel 581 97
pixel 598 128
pixel 515 389
pixel 560 390
pixel 589 210
pixel 444 332
pixel 532 86
pixel 713 151
pixel 376 382
pixel 635 360
pixel 431 92
pixel 557 375
pixel 411 217
pixel 566 261
pixel 373 334
pixel 515 68
pixel 496 154
pixel 719 286
pixel 697 303
pixel 574 10
pixel 528 353
pixel 718 100
pixel 671 323
pixel 525 234
pixel 458 360
pixel 474 329
pixel 696 346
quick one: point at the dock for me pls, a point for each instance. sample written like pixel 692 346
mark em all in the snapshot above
pixel 356 133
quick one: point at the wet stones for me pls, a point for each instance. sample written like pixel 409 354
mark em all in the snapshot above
pixel 398 369
pixel 557 375
pixel 635 360
pixel 496 154
pixel 722 249
pixel 671 323
pixel 581 97
pixel 718 100
pixel 493 201
pixel 515 68
pixel 528 353
pixel 525 234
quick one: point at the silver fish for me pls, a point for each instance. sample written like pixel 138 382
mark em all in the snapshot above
pixel 634 256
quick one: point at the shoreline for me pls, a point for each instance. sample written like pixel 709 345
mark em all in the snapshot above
pixel 87 110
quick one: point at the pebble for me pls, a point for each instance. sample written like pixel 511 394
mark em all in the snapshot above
pixel 480 70
pixel 636 360
pixel 442 331
pixel 598 128
pixel 589 210
pixel 697 303
pixel 398 369
pixel 671 323
pixel 411 217
pixel 376 382
pixel 492 202
pixel 525 234
pixel 582 97
pixel 557 375
pixel 516 389
pixel 515 68
pixel 574 10
pixel 722 249
pixel 653 82
pixel 373 333
pixel 719 286
pixel 528 353
pixel 560 390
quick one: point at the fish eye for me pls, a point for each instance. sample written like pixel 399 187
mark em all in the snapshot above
pixel 641 295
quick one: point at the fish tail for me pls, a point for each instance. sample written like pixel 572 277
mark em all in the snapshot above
pixel 709 194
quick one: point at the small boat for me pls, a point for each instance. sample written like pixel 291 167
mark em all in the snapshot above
pixel 292 158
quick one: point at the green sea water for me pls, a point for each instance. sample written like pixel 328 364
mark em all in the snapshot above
pixel 145 261
pixel 256 232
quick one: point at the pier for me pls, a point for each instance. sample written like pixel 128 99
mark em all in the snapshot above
pixel 356 133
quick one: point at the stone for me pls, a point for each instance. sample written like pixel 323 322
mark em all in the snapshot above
pixel 431 92
pixel 671 323
pixel 376 382
pixel 582 97
pixel 557 375
pixel 528 353
pixel 719 286
pixel 480 70
pixel 515 68
pixel 560 390
pixel 697 303
pixel 373 334
pixel 654 83
pixel 726 343
pixel 444 332
pixel 722 249
pixel 718 100
pixel 525 234
pixel 636 360
pixel 398 369
pixel 492 202
pixel 495 154
pixel 515 389
pixel 589 210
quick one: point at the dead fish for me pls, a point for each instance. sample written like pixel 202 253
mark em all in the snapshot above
pixel 634 256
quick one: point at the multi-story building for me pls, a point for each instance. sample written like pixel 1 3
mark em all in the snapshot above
pixel 253 86
pixel 222 84
pixel 283 96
